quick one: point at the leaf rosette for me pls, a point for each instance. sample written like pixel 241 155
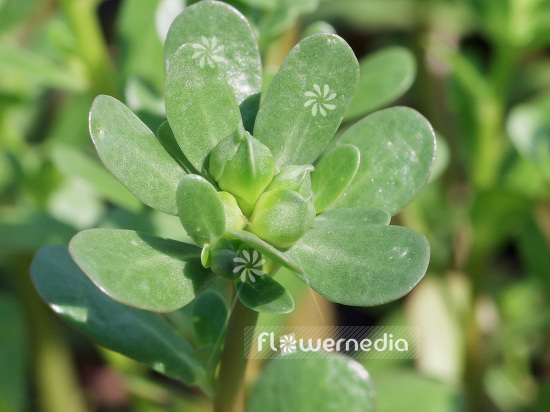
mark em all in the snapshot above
pixel 270 180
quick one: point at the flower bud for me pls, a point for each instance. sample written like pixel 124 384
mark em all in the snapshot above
pixel 234 217
pixel 222 259
pixel 242 166
pixel 294 177
pixel 281 217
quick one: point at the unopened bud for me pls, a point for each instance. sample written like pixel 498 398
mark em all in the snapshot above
pixel 242 166
pixel 294 177
pixel 281 217
pixel 234 217
pixel 222 259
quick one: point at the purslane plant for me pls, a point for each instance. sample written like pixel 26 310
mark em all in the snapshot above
pixel 256 186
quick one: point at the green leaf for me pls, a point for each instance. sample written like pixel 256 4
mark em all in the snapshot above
pixel 384 77
pixel 131 152
pixel 352 217
pixel 266 249
pixel 209 357
pixel 73 163
pixel 140 47
pixel 416 392
pixel 145 102
pixel 166 137
pixel 227 35
pixel 141 270
pixel 36 69
pixel 144 336
pixel 363 265
pixel 397 151
pixel 318 27
pixel 442 158
pixel 333 175
pixel 282 15
pixel 75 203
pixel 200 104
pixel 14 353
pixel 529 129
pixel 265 294
pixel 13 11
pixel 308 385
pixel 200 210
pixel 209 316
pixel 307 99
pixel 23 231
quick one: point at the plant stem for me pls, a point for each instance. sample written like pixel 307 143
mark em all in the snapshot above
pixel 230 391
pixel 54 372
pixel 82 17
pixel 491 115
pixel 489 146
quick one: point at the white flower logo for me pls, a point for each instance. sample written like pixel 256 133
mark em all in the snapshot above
pixel 249 264
pixel 319 100
pixel 210 53
pixel 287 343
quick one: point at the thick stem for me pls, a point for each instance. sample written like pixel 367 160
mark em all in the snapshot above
pixel 230 391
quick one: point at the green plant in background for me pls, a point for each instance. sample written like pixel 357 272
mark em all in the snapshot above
pixel 246 179
pixel 482 307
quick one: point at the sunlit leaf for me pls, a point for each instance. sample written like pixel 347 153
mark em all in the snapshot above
pixel 230 42
pixel 132 153
pixel 397 151
pixel 141 270
pixel 307 99
pixel 144 336
pixel 200 105
pixel 334 384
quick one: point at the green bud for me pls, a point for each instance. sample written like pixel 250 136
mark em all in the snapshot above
pixel 242 166
pixel 281 217
pixel 234 217
pixel 222 259
pixel 294 177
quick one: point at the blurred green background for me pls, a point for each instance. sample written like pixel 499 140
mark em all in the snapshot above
pixel 482 80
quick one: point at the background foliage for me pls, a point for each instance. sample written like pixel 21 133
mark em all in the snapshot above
pixel 479 70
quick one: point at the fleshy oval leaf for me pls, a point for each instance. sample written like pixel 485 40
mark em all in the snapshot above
pixel 166 137
pixel 264 294
pixel 141 270
pixel 200 210
pixel 339 384
pixel 73 163
pixel 209 317
pixel 397 152
pixel 307 99
pixel 67 290
pixel 333 175
pixel 384 77
pixel 352 217
pixel 232 44
pixel 364 265
pixel 132 153
pixel 529 129
pixel 200 104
